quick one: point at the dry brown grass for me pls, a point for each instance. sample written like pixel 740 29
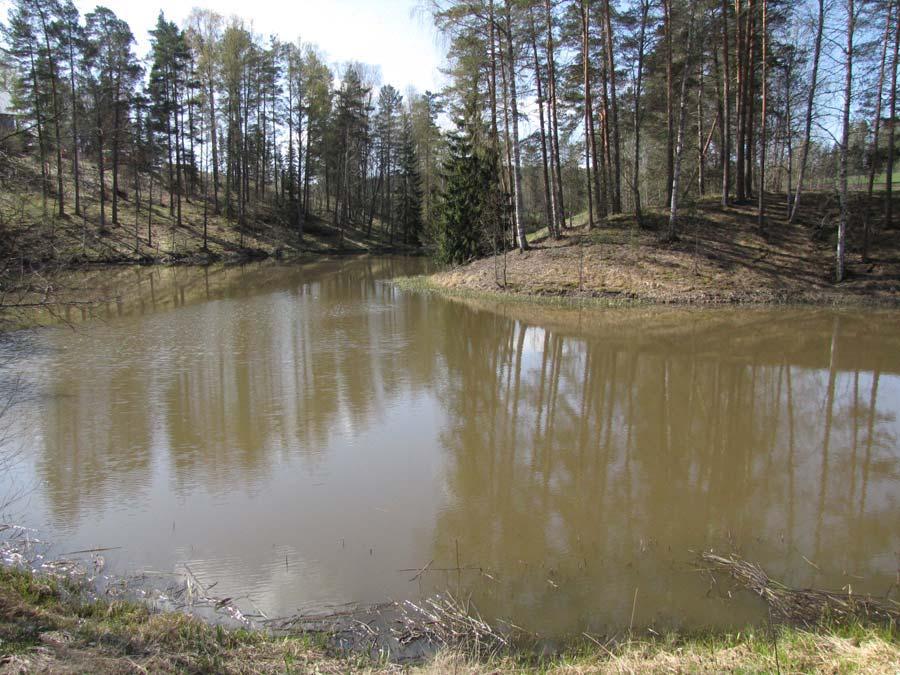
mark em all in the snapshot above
pixel 720 257
pixel 804 653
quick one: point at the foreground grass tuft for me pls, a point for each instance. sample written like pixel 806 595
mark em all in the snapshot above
pixel 47 625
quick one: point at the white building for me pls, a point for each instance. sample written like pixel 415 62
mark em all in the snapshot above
pixel 8 116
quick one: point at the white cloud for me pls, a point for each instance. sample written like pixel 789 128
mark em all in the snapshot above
pixel 387 33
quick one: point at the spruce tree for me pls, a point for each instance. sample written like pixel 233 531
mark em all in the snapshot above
pixel 471 210
pixel 410 202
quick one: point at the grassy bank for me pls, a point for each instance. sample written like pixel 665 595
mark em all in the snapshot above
pixel 721 257
pixel 48 625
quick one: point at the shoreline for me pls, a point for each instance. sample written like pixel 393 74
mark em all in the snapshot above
pixel 431 284
pixel 201 259
pixel 50 623
pixel 66 615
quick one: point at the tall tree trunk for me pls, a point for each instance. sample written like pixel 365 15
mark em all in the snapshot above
pixel 507 143
pixel 679 149
pixel 191 134
pixel 603 178
pixel 300 211
pixel 889 169
pixel 726 113
pixel 390 193
pixel 810 102
pixel 73 95
pixel 263 173
pixel 789 127
pixel 701 161
pixel 740 100
pixel 588 116
pixel 39 123
pixel 168 105
pixel 137 183
pixel 548 198
pixel 670 95
pixel 290 130
pixel 306 175
pixel 204 162
pixel 763 138
pixel 517 153
pixel 150 210
pixel 492 82
pixel 57 111
pixel 638 85
pixel 117 122
pixel 873 153
pixel 100 166
pixel 554 123
pixel 275 166
pixel 213 133
pixel 720 106
pixel 845 142
pixel 179 155
pixel 614 110
pixel 750 106
pixel 245 149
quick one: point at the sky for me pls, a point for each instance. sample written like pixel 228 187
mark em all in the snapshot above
pixel 387 33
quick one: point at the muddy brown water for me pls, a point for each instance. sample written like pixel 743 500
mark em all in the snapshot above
pixel 302 436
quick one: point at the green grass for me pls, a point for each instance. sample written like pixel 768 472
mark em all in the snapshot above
pixel 880 178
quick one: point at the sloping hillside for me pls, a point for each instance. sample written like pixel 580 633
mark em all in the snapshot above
pixel 29 234
pixel 721 256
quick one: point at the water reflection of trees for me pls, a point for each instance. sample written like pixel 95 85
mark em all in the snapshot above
pixel 228 388
pixel 600 461
pixel 580 461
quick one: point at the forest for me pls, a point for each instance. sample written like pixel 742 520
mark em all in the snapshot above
pixel 555 114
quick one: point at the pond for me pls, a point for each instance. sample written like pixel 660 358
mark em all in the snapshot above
pixel 305 436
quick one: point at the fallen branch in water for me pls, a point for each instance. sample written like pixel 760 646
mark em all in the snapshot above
pixel 805 606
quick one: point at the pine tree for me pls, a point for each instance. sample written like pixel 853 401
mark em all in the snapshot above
pixel 112 71
pixel 387 126
pixel 167 85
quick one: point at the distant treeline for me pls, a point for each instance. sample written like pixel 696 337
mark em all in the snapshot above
pixel 219 114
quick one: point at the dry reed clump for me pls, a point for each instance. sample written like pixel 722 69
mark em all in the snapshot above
pixel 806 607
pixel 446 622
